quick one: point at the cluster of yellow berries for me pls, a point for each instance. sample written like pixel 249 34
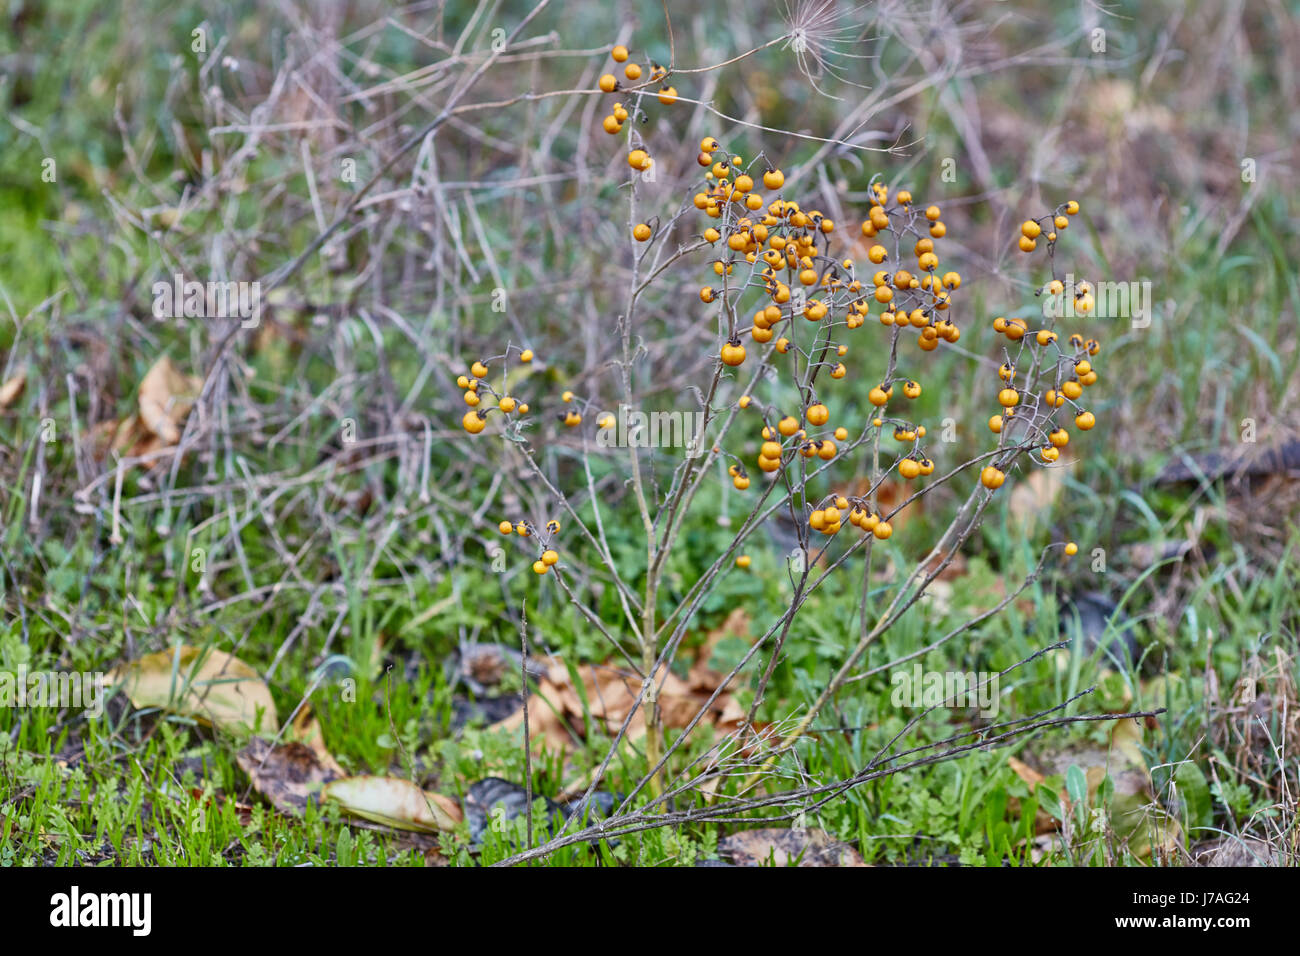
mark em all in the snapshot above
pixel 548 557
pixel 827 519
pixel 784 253
pixel 609 83
pixel 638 158
pixel 788 252
pixel 1070 369
pixel 786 238
pixel 1058 221
pixel 475 387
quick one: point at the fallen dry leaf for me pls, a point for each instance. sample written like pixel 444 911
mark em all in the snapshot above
pixel 781 847
pixel 12 389
pixel 287 774
pixel 395 803
pixel 166 396
pixel 702 676
pixel 1025 772
pixel 305 729
pixel 1136 819
pixel 1044 822
pixel 947 565
pixel 556 714
pixel 890 495
pixel 207 684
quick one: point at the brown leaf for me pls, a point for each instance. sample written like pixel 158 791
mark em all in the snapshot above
pixel 1135 820
pixel 305 729
pixel 288 774
pixel 166 396
pixel 1025 772
pixel 780 846
pixel 890 495
pixel 395 803
pixel 955 567
pixel 555 710
pixel 11 390
pixel 210 685
pixel 1044 822
pixel 702 677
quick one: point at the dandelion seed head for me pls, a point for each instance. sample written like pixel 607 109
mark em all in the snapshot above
pixel 818 32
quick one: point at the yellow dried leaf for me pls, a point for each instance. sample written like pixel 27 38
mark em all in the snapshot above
pixel 12 389
pixel 209 685
pixel 166 396
pixel 395 803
